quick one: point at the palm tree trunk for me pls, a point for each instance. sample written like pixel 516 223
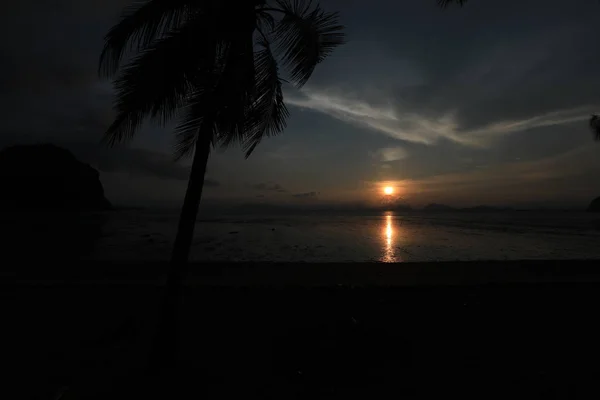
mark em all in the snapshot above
pixel 164 348
pixel 189 211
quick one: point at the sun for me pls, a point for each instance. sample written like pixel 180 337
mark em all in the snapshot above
pixel 388 190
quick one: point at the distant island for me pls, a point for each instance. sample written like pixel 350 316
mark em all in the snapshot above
pixel 484 208
pixel 438 207
pixel 50 203
pixel 435 207
pixel 266 208
pixel 48 177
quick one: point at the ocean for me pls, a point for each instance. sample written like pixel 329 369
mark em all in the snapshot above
pixel 388 237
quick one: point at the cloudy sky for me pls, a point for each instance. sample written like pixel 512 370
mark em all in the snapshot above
pixel 484 104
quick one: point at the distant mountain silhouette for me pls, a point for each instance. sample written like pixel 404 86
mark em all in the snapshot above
pixel 48 177
pixel 438 207
pixel 479 208
pixel 484 208
pixel 594 205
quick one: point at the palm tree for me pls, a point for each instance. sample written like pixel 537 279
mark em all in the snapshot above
pixel 215 66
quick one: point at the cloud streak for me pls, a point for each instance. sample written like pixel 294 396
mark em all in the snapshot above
pixel 419 128
pixel 307 195
pixel 388 154
pixel 269 187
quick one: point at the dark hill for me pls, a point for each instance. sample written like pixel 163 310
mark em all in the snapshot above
pixel 48 177
pixel 50 205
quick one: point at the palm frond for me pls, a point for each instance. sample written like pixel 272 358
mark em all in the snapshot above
pixel 235 90
pixel 157 82
pixel 140 25
pixel 196 113
pixel 305 36
pixel 265 21
pixel 595 126
pixel 446 3
pixel 220 97
pixel 202 105
pixel 268 113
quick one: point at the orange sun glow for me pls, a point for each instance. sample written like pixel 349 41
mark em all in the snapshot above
pixel 388 190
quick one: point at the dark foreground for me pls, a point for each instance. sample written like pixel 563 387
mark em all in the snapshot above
pixel 480 337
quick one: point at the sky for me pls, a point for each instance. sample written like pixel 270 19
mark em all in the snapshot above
pixel 484 104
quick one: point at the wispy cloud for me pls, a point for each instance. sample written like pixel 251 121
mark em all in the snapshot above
pixel 269 187
pixel 385 119
pixel 560 117
pixel 388 154
pixel 418 128
pixel 307 195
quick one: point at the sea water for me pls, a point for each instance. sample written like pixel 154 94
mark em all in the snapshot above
pixel 385 237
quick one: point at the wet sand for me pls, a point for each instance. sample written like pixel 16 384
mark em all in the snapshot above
pixel 413 237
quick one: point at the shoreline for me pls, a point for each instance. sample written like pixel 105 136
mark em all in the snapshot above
pixel 454 273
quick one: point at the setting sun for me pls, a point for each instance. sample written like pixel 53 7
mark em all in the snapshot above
pixel 388 190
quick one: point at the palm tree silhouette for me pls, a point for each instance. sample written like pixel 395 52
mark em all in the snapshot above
pixel 213 65
pixel 446 3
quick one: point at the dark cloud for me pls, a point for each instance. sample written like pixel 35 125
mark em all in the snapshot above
pixel 50 89
pixel 307 195
pixel 134 161
pixel 269 187
pixel 553 76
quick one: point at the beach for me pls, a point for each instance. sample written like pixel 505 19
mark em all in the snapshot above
pixel 82 326
pixel 89 337
pixel 289 200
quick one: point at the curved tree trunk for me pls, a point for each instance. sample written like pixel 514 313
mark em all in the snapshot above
pixel 166 341
pixel 189 211
pixel 164 347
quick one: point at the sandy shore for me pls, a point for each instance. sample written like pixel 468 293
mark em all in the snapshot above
pixel 309 274
pixel 470 330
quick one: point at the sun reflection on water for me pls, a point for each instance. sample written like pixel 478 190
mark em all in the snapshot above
pixel 389 251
